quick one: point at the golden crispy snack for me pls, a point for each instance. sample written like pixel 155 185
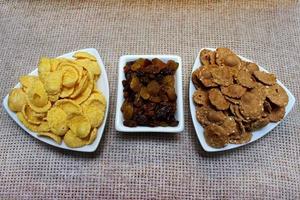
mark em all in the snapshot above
pixel 57 120
pixel 54 137
pixel 17 99
pixel 43 127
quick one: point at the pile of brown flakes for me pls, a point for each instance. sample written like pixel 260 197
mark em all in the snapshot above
pixel 234 98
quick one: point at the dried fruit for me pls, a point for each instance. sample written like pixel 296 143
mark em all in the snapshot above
pixel 149 92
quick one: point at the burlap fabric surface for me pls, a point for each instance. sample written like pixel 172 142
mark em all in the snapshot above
pixel 142 165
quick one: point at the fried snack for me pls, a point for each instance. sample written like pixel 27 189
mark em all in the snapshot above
pixel 265 78
pixel 200 97
pixel 62 102
pixel 17 99
pixel 234 98
pixel 217 99
pixel 277 95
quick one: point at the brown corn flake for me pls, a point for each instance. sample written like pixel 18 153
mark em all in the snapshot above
pixel 201 115
pixel 200 97
pixel 265 78
pixel 259 123
pixel 205 76
pixel 234 91
pixel 215 135
pixel 222 76
pixel 217 117
pixel 277 114
pixel 277 95
pixel 207 57
pixel 244 78
pixel 252 67
pixel 217 99
pixel 251 106
pixel 232 100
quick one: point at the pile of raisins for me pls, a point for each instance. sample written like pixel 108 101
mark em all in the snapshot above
pixel 149 93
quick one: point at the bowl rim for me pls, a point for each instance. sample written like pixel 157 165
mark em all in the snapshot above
pixel 179 91
pixel 88 148
pixel 198 127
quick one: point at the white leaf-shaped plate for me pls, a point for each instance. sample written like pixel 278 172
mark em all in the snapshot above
pixel 102 84
pixel 255 135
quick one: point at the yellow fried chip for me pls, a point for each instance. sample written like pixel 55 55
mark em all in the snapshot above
pixel 53 97
pixel 53 82
pixel 93 136
pixel 94 108
pixel 27 81
pixel 37 94
pixel 54 137
pixel 71 140
pixel 80 126
pixel 70 76
pixel 66 92
pixel 43 127
pixel 66 65
pixel 85 94
pixel 17 99
pixel 80 87
pixel 69 107
pixel 54 62
pixel 32 116
pixel 43 109
pixel 44 65
pixel 57 120
pixel 83 55
pixel 91 66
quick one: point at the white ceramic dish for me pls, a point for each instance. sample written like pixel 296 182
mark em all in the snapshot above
pixel 256 135
pixel 178 87
pixel 102 84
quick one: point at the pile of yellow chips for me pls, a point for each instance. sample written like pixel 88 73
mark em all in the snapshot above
pixel 62 102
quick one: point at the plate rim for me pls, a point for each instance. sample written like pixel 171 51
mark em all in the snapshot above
pixel 86 148
pixel 200 133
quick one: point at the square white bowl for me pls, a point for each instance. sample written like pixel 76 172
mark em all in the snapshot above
pixel 102 84
pixel 255 135
pixel 178 87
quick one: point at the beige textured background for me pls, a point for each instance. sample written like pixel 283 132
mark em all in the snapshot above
pixel 150 166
